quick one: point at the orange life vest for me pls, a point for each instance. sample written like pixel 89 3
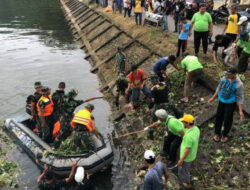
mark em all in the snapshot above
pixel 83 117
pixel 49 106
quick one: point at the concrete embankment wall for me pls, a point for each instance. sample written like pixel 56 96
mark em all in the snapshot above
pixel 99 37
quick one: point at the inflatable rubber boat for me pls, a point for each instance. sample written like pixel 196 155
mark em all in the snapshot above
pixel 20 128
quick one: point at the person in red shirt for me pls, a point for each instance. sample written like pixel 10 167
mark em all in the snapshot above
pixel 137 82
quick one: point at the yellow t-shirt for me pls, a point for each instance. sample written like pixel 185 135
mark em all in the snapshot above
pixel 232 26
pixel 149 8
pixel 137 6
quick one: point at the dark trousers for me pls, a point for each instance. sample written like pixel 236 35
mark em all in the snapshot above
pixel 120 8
pixel 233 36
pixel 127 10
pixel 171 145
pixel 138 16
pixel 198 36
pixel 182 45
pixel 176 22
pixel 161 78
pixel 243 62
pixel 224 114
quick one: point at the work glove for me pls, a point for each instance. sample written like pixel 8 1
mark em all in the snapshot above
pixel 146 128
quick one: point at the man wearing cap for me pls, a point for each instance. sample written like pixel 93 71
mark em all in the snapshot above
pixel 161 64
pixel 45 108
pixel 194 71
pixel 155 174
pixel 68 107
pixel 230 93
pixel 47 181
pixel 121 63
pixel 83 180
pixel 221 41
pixel 231 28
pixel 245 55
pixel 244 24
pixel 188 150
pixel 203 25
pixel 175 133
pixel 121 85
pixel 58 97
pixel 37 95
pixel 84 126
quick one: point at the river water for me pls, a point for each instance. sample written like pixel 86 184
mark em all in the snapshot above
pixel 36 45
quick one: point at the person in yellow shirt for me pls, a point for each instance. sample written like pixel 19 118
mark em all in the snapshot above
pixel 231 28
pixel 138 12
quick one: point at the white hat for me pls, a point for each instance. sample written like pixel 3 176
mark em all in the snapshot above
pixel 242 19
pixel 149 154
pixel 79 174
pixel 161 113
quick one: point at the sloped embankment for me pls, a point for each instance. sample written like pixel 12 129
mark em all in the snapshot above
pixel 218 166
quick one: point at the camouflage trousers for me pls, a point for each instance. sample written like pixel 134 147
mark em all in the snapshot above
pixel 82 138
pixel 46 132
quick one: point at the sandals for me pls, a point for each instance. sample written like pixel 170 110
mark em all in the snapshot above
pixel 216 138
pixel 224 139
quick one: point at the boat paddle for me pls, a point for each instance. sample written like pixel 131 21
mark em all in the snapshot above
pixel 127 134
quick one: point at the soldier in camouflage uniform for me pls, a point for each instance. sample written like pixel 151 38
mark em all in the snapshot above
pixel 45 108
pixel 121 85
pixel 58 98
pixel 34 99
pixel 83 133
pixel 68 107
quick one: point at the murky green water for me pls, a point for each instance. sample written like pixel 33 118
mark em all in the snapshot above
pixel 36 45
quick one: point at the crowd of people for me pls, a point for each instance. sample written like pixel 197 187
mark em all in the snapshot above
pixel 47 110
pixel 54 118
pixel 182 132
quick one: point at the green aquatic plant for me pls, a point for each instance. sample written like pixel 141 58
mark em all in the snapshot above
pixel 8 173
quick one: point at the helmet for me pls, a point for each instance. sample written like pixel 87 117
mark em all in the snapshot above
pixel 72 93
pixel 45 90
pixel 37 84
pixel 90 106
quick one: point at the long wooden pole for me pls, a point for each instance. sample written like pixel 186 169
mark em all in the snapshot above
pixel 127 134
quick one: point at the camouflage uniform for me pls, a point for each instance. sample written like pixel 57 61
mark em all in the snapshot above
pixel 82 137
pixel 58 98
pixel 121 85
pixel 47 130
pixel 68 106
pixel 36 119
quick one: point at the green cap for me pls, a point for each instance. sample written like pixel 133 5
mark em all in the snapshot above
pixel 90 106
pixel 72 93
pixel 45 90
pixel 154 78
pixel 37 84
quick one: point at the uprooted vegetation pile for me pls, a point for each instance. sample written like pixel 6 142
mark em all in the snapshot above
pixel 8 169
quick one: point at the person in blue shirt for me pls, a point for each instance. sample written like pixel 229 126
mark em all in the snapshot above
pixel 160 66
pixel 157 175
pixel 183 36
pixel 230 93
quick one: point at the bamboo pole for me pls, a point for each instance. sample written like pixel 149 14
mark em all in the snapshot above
pixel 127 134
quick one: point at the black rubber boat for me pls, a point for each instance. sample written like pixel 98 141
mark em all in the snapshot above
pixel 20 128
